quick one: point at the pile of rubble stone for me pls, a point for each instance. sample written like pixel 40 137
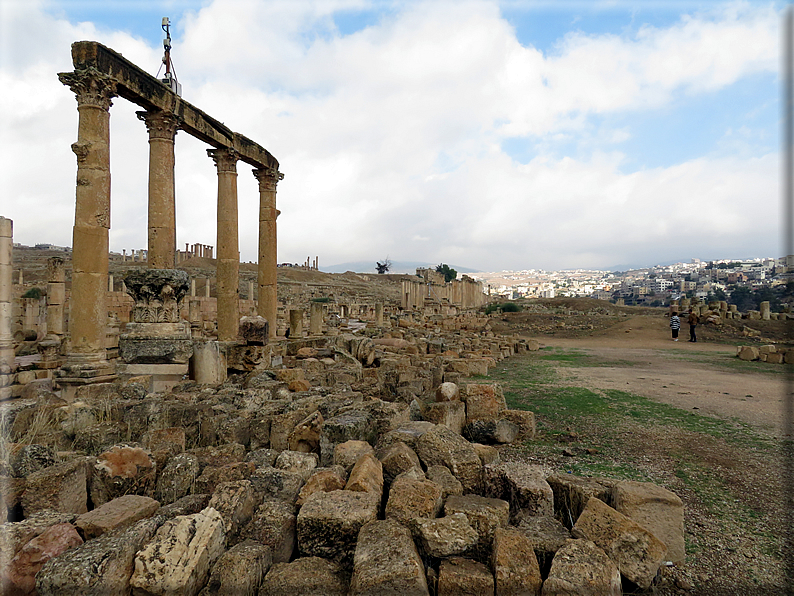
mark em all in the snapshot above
pixel 360 469
pixel 768 353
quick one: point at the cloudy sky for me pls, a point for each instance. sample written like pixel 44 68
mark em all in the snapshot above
pixel 491 135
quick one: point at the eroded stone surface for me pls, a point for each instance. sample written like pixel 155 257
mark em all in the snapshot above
pixel 118 513
pixel 580 568
pixel 307 576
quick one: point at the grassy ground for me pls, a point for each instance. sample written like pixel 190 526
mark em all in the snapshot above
pixel 726 473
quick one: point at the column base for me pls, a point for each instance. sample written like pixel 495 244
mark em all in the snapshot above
pixel 163 376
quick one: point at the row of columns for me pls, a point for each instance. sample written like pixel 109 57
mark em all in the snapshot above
pixel 94 92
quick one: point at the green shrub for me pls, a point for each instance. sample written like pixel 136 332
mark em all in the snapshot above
pixel 504 307
pixel 33 293
pixel 323 300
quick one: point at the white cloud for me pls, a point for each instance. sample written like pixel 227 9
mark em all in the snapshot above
pixel 390 138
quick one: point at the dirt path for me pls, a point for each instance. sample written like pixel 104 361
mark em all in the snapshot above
pixel 639 357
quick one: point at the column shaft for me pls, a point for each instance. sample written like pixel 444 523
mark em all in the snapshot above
pixel 267 272
pixel 6 338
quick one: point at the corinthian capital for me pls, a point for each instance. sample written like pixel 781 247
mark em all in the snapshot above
pixel 91 87
pixel 268 178
pixel 225 159
pixel 159 124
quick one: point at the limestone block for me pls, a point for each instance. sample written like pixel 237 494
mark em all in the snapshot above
pixel 366 476
pixel 177 478
pixel 522 485
pixel 447 392
pixel 239 571
pixel 486 453
pixel 351 425
pixel 581 568
pixel 61 487
pixel 254 330
pixel 20 575
pixel 262 457
pixel 328 523
pixel 307 576
pixel 348 453
pixel 768 349
pixel 123 470
pixel 274 525
pixel 441 446
pixel 547 536
pixel 386 562
pixel 211 477
pixel 451 414
pixel 491 431
pixel 637 553
pixel 219 455
pixel 119 513
pixel 100 566
pixel 178 560
pixel 296 461
pixel 485 516
pixel 283 425
pixel 571 494
pixel 407 432
pixel 31 458
pixel 657 510
pixel 444 536
pixel 305 436
pixel 444 478
pixel 464 577
pixel 281 485
pixel 322 480
pixel 171 440
pixel 235 503
pixel 776 358
pixel 15 535
pixel 409 498
pixel 483 402
pixel 396 459
pixel 524 420
pixel 514 564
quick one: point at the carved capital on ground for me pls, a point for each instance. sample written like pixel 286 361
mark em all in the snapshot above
pixel 160 124
pixel 158 294
pixel 268 178
pixel 91 87
pixel 225 159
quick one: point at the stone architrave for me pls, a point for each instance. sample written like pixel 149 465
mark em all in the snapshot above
pixel 86 360
pixel 266 275
pixel 228 263
pixel 6 338
pixel 161 127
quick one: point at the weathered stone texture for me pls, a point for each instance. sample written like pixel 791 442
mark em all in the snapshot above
pixel 410 498
pixel 307 576
pixel 444 536
pixel 458 576
pixel 118 513
pixel 514 564
pixel 61 487
pixel 581 568
pixel 441 446
pixel 239 571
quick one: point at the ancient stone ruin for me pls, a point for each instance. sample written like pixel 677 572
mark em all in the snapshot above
pixel 175 452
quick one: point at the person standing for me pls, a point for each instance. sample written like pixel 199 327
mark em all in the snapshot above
pixel 693 321
pixel 675 325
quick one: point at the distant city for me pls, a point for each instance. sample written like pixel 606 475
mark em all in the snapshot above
pixel 742 280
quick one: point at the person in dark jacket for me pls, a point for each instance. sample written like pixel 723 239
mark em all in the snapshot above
pixel 693 321
pixel 675 325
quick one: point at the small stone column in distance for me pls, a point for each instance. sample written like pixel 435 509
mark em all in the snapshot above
pixel 207 287
pixel 764 308
pixel 316 318
pixel 86 361
pixel 111 282
pixel 267 270
pixel 296 323
pixel 379 314
pixel 228 262
pixel 6 281
pixel 161 127
pixel 192 287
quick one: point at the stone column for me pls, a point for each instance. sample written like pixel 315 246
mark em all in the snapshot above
pixel 251 295
pixel 764 308
pixel 193 287
pixel 316 318
pixel 379 314
pixel 6 338
pixel 206 287
pixel 296 323
pixel 88 315
pixel 110 283
pixel 162 203
pixel 267 271
pixel 228 264
pixel 56 296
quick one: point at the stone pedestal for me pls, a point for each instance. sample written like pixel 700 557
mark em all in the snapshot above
pixel 208 363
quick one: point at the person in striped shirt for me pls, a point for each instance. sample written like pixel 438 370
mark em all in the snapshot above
pixel 675 325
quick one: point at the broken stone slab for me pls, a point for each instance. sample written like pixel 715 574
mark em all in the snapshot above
pixel 122 470
pixel 179 558
pixel 61 487
pixel 211 476
pixel 348 453
pixel 483 402
pixel 445 479
pixel 386 562
pixel 262 457
pixel 20 575
pixel 514 564
pixel 547 536
pixel 656 509
pixel 218 456
pixel 281 485
pixel 409 499
pixel 396 459
pixel 254 330
pixel 307 576
pixel 118 513
pixel 15 535
pixel 524 420
pixel 353 424
pixel 407 432
pixel 571 494
pixel 451 414
pixel 273 524
pixel 580 568
pixel 486 453
pixel 328 523
pixel 499 431
pixel 447 392
pixel 239 571
pixel 31 458
pixel 305 437
pixel 441 446
pixel 366 476
pixel 100 566
pixel 322 480
pixel 522 485
pixel 485 515
pixel 177 478
pixel 458 576
pixel 235 503
pixel 637 553
pixel 296 461
pixel 444 536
